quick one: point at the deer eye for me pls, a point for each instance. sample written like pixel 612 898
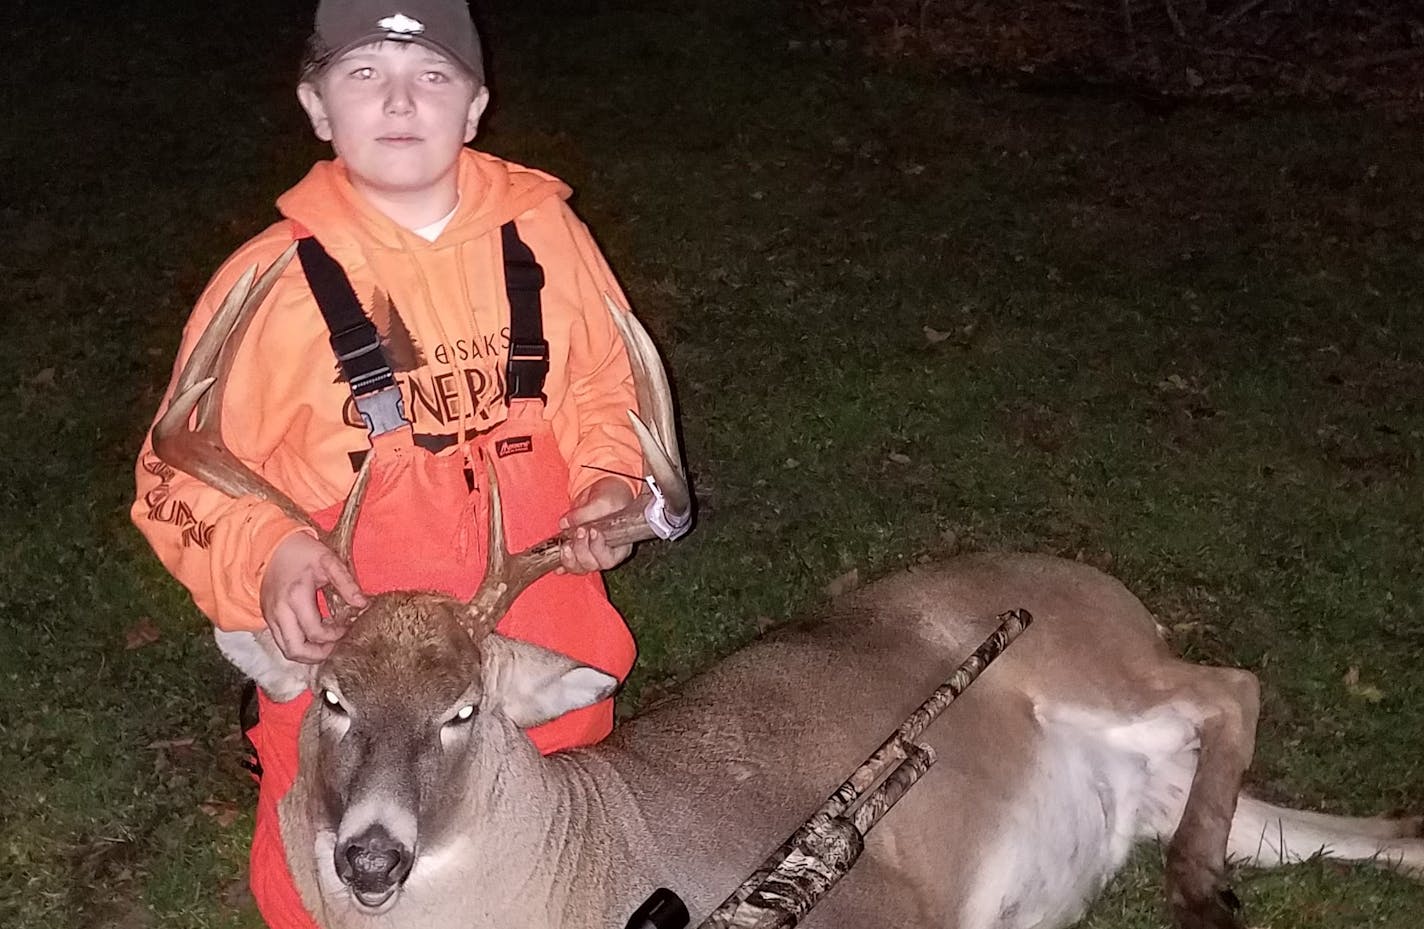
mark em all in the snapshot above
pixel 332 702
pixel 463 715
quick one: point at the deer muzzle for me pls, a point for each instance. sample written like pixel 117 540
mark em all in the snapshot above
pixel 373 865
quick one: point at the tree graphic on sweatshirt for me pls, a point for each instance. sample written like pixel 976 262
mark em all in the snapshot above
pixel 433 401
pixel 401 349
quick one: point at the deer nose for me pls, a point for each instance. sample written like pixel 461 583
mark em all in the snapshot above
pixel 373 864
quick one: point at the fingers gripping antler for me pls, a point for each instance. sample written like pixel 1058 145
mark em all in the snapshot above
pixel 188 435
pixel 662 510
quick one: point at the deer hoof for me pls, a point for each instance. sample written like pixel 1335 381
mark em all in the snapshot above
pixel 1219 910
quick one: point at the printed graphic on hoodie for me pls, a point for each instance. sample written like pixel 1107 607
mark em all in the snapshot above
pixel 161 506
pixel 468 374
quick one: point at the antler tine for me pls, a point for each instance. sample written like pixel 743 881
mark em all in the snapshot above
pixel 340 540
pixel 665 469
pixel 506 575
pixel 205 354
pixel 255 294
pixel 341 536
pixel 199 450
pixel 658 442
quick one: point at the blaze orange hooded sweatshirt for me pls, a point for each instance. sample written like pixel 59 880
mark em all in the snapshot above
pixel 443 317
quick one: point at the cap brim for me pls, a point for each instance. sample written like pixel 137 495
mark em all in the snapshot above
pixel 375 37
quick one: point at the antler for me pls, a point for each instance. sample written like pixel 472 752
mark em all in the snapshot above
pixel 198 449
pixel 662 510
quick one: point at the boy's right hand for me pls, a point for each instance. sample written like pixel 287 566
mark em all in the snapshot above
pixel 299 567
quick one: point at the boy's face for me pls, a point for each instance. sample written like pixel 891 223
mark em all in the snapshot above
pixel 398 114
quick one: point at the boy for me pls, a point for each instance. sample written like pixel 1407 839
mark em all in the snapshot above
pixel 447 305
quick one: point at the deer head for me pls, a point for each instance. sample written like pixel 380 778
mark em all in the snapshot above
pixel 416 720
pixel 420 686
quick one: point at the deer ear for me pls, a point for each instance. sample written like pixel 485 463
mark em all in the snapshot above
pixel 532 685
pixel 256 655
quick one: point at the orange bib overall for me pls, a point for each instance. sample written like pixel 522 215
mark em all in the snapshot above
pixel 423 527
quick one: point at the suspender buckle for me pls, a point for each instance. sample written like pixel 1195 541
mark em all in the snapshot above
pixel 528 366
pixel 354 341
pixel 383 411
pixel 529 351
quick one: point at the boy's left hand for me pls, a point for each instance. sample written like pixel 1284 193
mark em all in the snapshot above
pixel 586 550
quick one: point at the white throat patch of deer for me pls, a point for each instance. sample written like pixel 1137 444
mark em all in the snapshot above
pixel 1086 737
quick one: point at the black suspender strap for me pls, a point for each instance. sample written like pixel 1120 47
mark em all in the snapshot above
pixel 354 339
pixel 528 351
pixel 357 344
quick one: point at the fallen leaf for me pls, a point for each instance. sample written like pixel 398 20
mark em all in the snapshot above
pixel 45 378
pixel 764 624
pixel 899 458
pixel 934 336
pixel 1366 692
pixel 172 743
pixel 236 894
pixel 1102 560
pixel 846 582
pixel 222 812
pixel 144 632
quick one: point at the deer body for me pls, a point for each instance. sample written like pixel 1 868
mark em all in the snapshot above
pixel 420 804
pixel 1084 738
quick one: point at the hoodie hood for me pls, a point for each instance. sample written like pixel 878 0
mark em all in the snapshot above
pixel 492 192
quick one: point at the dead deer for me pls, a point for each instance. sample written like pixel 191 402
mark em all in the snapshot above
pixel 420 804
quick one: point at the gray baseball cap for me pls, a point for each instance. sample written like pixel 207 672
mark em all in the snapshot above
pixel 444 25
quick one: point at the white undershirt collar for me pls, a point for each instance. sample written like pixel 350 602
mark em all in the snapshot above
pixel 432 232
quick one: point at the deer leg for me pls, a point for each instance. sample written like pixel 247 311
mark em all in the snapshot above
pixel 1250 810
pixel 1229 701
pixel 1268 836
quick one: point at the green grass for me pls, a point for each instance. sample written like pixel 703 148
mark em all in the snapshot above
pixel 1188 347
